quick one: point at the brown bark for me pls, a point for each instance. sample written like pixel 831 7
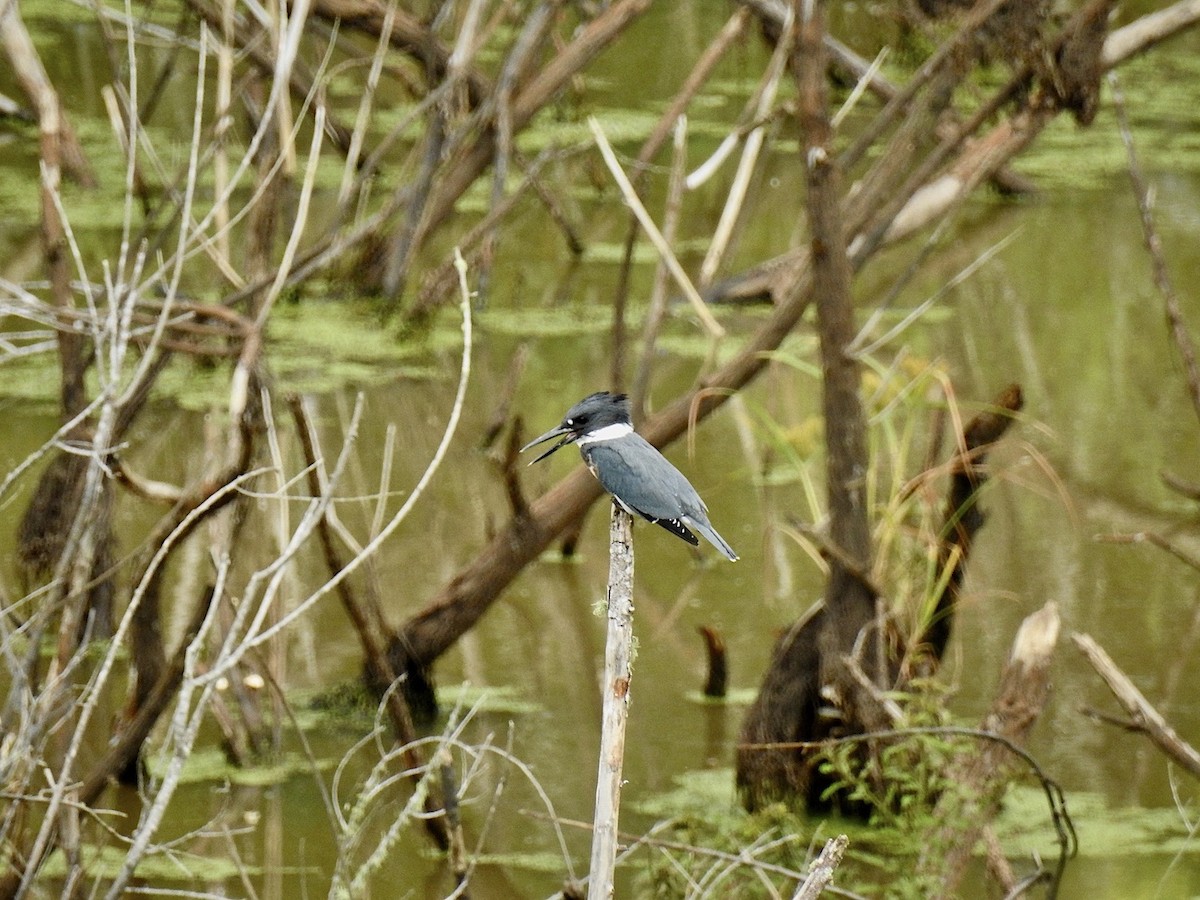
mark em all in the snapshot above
pixel 849 600
pixel 717 681
pixel 963 516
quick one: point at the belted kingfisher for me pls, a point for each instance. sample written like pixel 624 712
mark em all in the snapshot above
pixel 631 468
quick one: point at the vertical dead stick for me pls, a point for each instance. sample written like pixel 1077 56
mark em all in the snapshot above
pixel 717 682
pixel 618 662
pixel 1145 715
pixel 457 852
pixel 822 869
pixel 981 777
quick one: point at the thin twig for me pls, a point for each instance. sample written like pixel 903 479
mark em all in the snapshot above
pixel 750 152
pixel 1162 274
pixel 711 325
pixel 658 293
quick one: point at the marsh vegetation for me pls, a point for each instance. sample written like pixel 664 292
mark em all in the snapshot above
pixel 282 287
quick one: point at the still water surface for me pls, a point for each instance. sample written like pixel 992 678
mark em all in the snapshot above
pixel 1067 309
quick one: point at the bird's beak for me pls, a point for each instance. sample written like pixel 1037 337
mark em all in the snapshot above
pixel 550 435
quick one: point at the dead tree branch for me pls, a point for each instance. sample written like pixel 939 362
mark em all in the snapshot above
pixel 849 602
pixel 1144 715
pixel 968 158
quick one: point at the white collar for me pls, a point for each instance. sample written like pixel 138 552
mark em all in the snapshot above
pixel 607 433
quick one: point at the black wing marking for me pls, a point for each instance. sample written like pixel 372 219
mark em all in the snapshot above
pixel 678 529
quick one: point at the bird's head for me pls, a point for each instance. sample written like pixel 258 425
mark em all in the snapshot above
pixel 585 418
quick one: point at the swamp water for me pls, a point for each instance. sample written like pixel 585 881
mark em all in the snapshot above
pixel 1066 308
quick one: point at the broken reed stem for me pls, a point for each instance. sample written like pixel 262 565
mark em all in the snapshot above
pixel 618 662
pixel 820 874
pixel 730 215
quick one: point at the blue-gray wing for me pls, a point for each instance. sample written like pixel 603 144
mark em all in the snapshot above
pixel 643 480
pixel 645 483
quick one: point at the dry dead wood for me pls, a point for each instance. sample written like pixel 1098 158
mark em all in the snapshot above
pixel 1145 717
pixel 822 870
pixel 407 34
pixel 366 615
pixel 475 151
pixel 971 156
pixel 246 36
pixel 981 776
pixel 55 128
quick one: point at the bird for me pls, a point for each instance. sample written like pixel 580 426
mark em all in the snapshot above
pixel 630 468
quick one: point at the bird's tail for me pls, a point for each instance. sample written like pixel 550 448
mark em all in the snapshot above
pixel 710 534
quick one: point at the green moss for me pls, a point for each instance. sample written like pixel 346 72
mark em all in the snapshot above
pixel 738 697
pixel 1025 828
pixel 557 322
pixel 312 346
pixel 548 863
pixel 176 866
pixel 30 379
pixel 210 765
pixel 643 252
pixel 44 14
pixel 620 126
pixel 499 699
pixel 703 792
pixel 697 345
